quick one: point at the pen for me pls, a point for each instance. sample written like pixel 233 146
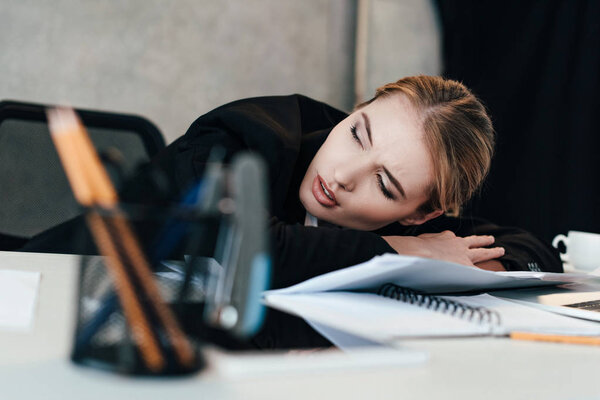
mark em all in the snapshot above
pixel 202 196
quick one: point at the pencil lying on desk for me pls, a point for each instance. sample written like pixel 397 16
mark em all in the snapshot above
pixel 92 187
pixel 589 340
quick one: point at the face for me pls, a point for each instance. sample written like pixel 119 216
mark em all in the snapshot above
pixel 373 169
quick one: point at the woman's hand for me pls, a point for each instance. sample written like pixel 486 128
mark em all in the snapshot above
pixel 469 250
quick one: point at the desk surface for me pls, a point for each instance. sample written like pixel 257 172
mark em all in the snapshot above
pixel 35 365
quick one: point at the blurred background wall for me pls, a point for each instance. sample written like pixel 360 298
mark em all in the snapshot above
pixel 172 61
pixel 534 63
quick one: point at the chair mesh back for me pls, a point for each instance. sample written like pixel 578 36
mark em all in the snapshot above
pixel 34 192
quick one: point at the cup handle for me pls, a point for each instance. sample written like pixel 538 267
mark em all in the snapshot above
pixel 561 238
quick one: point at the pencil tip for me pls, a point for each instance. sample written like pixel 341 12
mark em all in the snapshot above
pixel 61 119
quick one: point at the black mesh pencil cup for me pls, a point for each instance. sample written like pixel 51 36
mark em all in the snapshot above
pixel 168 275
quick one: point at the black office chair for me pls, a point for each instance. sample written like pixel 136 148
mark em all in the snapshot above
pixel 34 192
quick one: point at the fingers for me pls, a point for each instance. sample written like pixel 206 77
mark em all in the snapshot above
pixel 482 254
pixel 477 251
pixel 479 240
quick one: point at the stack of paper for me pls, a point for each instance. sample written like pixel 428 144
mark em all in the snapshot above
pixel 332 305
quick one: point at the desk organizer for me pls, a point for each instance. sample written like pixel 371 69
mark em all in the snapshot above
pixel 103 336
pixel 207 264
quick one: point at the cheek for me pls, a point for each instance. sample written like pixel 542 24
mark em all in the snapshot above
pixel 336 148
pixel 305 192
pixel 370 210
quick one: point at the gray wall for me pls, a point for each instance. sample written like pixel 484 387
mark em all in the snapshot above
pixel 174 60
pixel 403 39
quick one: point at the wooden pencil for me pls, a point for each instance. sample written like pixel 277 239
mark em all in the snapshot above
pixel 92 186
pixel 81 158
pixel 64 132
pixel 588 340
pixel 106 196
pixel 63 140
pixel 181 345
pixel 134 313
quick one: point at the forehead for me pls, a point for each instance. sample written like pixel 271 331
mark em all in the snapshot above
pixel 398 140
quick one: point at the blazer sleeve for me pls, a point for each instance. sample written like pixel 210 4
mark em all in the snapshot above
pixel 524 251
pixel 302 252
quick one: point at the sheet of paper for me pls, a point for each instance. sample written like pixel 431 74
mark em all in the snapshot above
pixel 431 276
pixel 18 298
pixel 342 339
pixel 569 277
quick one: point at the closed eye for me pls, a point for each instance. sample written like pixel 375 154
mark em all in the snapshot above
pixel 355 135
pixel 384 190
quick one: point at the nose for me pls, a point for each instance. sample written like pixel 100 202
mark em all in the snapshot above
pixel 348 175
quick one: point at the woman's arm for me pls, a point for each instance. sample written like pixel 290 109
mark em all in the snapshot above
pixel 302 252
pixel 523 250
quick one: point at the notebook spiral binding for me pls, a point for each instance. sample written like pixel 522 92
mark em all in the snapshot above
pixel 479 315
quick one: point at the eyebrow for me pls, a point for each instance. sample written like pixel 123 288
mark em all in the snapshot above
pixel 394 181
pixel 367 127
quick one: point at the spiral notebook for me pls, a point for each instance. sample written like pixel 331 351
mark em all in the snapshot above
pixel 394 313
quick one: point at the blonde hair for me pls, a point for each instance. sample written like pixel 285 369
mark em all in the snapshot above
pixel 457 131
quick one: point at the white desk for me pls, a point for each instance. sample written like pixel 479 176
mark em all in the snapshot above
pixel 36 366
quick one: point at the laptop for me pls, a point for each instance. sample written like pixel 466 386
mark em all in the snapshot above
pixel 575 300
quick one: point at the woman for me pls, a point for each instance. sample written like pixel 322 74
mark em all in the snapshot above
pixel 344 188
pixel 382 179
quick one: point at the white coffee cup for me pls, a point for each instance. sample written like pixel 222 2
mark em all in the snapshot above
pixel 583 249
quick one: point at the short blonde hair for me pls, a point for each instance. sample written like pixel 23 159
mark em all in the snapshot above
pixel 458 133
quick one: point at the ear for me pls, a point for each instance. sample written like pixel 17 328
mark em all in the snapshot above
pixel 418 218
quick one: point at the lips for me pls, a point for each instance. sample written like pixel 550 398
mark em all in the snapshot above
pixel 323 194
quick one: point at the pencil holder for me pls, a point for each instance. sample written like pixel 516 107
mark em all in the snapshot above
pixel 169 275
pixel 106 335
